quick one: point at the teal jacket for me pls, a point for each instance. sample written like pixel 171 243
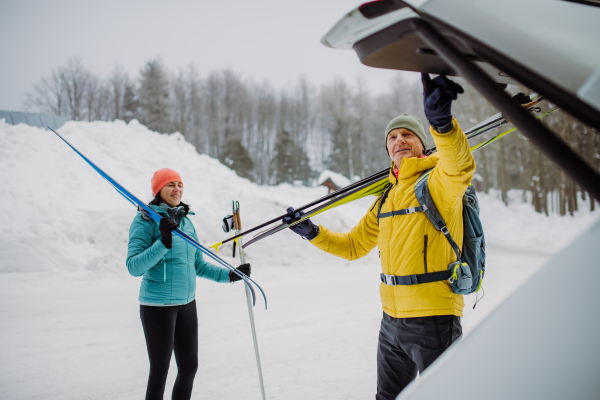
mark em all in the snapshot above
pixel 168 275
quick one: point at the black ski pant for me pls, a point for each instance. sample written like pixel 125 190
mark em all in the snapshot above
pixel 167 330
pixel 408 345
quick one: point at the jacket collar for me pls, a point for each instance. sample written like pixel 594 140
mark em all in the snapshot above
pixel 175 213
pixel 411 167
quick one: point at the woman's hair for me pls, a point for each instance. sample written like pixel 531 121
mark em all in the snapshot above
pixel 157 200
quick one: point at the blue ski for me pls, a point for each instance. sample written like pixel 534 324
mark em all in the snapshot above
pixel 154 215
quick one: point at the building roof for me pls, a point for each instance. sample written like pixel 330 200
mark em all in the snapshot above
pixel 338 179
pixel 39 120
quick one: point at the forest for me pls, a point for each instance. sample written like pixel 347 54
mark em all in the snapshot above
pixel 277 135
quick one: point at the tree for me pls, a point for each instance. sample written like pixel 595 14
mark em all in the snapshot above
pixel 91 95
pixel 74 81
pixel 180 104
pixel 340 123
pixel 290 161
pixel 153 96
pixel 117 80
pixel 236 157
pixel 130 102
pixel 47 96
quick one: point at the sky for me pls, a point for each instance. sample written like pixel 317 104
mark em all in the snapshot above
pixel 263 40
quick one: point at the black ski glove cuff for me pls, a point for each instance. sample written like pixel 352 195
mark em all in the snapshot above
pixel 166 227
pixel 244 269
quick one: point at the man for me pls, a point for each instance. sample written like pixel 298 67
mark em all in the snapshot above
pixel 420 321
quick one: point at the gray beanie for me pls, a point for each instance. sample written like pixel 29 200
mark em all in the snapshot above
pixel 407 121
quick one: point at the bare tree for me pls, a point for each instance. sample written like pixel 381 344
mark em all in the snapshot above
pixel 91 95
pixel 180 103
pixel 47 96
pixel 117 81
pixel 74 80
pixel 195 115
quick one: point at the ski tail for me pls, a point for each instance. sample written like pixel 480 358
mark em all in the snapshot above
pixel 154 215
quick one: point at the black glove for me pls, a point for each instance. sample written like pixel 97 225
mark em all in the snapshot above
pixel 437 99
pixel 244 269
pixel 306 228
pixel 166 226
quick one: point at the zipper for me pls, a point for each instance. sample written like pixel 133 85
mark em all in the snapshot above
pixel 425 253
pixel 187 259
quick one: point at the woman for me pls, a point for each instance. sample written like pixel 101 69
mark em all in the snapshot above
pixel 169 267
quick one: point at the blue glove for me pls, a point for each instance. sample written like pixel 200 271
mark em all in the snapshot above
pixel 437 99
pixel 306 228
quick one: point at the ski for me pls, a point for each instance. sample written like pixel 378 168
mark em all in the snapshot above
pixel 154 215
pixel 487 142
pixel 371 188
pixel 372 178
pixel 487 125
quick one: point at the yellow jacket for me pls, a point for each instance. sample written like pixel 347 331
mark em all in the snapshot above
pixel 409 244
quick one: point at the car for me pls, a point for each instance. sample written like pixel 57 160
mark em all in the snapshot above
pixel 552 47
pixel 542 341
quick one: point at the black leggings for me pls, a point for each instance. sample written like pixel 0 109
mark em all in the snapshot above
pixel 168 329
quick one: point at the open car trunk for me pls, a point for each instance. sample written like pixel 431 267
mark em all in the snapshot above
pixel 550 46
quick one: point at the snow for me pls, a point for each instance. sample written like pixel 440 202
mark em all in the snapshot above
pixel 69 308
pixel 338 179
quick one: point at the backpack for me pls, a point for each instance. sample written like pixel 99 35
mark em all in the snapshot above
pixel 466 274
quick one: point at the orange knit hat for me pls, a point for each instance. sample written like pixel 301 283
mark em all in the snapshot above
pixel 162 177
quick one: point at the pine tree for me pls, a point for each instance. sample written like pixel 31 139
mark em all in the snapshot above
pixel 340 154
pixel 236 157
pixel 290 161
pixel 130 103
pixel 154 97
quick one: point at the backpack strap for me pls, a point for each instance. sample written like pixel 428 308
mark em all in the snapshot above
pixel 424 198
pixel 408 280
pixel 383 197
pixel 406 211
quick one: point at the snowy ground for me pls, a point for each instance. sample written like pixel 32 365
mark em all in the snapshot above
pixel 69 310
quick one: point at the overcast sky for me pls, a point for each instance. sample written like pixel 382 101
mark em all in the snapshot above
pixel 277 41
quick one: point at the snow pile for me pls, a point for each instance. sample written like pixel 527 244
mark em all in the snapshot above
pixel 338 179
pixel 59 214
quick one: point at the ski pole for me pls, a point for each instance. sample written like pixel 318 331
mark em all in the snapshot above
pixel 237 221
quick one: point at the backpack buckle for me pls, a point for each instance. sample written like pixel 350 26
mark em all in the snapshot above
pixel 389 279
